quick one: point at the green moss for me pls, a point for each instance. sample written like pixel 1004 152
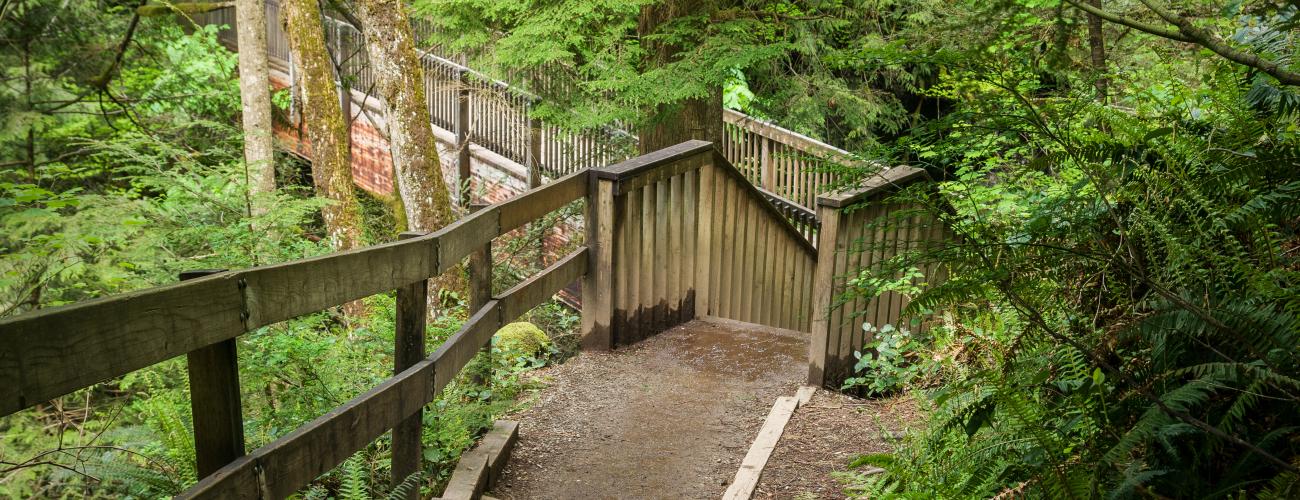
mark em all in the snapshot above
pixel 522 337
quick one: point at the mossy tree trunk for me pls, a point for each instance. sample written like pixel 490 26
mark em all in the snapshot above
pixel 695 118
pixel 255 95
pixel 326 126
pixel 400 81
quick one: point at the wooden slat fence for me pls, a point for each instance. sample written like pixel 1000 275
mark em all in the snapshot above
pixel 861 229
pixel 690 237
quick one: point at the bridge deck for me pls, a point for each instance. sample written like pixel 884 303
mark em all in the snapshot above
pixel 669 417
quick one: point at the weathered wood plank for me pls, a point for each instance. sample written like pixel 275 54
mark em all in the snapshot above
pixel 462 346
pixel 703 266
pixel 646 162
pixel 280 468
pixel 55 351
pixel 521 298
pixel 751 468
pixel 408 350
pixel 598 277
pixel 822 295
pixel 540 201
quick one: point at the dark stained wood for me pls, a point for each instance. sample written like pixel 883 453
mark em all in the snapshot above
pixel 51 352
pixel 597 282
pixel 214 400
pixel 635 166
pixel 279 292
pixel 540 201
pixel 291 462
pixel 520 298
pixel 408 350
pixel 461 347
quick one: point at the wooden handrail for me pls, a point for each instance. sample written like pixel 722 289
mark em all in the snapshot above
pixel 282 467
pixel 891 178
pixel 52 352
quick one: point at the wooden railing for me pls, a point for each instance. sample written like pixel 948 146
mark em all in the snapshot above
pixel 672 235
pixel 53 352
pixel 688 236
pixel 791 168
pixel 861 229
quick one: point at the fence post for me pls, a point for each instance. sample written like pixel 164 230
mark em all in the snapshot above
pixel 480 271
pixel 214 399
pixel 462 136
pixel 408 349
pixel 823 293
pixel 598 282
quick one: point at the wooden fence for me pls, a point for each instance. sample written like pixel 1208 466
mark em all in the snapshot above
pixel 687 236
pixel 53 352
pixel 672 235
pixel 861 229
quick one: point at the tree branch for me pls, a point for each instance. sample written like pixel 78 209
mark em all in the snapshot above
pixel 1137 25
pixel 1218 46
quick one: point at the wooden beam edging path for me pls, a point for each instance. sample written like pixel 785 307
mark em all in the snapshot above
pixel 280 468
pixel 751 468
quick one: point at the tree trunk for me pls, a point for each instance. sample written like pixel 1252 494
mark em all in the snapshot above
pixel 326 130
pixel 400 81
pixel 255 95
pixel 697 118
pixel 1097 44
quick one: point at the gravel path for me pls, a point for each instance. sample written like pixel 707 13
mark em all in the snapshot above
pixel 669 417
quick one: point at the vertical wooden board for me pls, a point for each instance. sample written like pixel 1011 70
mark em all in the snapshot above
pixel 674 264
pixel 661 257
pixel 702 249
pixel 751 256
pixel 621 257
pixel 636 228
pixel 739 272
pixel 776 271
pixel 647 299
pixel 690 241
pixel 763 263
pixel 854 331
pixel 716 262
pixel 725 247
pixel 790 277
pixel 878 307
pixel 843 241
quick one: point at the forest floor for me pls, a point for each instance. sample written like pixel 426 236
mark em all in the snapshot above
pixel 827 433
pixel 668 417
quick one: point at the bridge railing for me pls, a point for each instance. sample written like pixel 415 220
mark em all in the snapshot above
pixel 790 167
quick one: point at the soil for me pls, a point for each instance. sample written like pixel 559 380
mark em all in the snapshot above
pixel 669 417
pixel 826 434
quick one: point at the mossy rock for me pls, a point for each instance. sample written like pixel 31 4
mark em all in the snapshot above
pixel 522 337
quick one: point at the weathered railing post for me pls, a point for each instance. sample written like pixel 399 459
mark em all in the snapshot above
pixel 823 282
pixel 408 349
pixel 462 136
pixel 214 399
pixel 480 270
pixel 598 283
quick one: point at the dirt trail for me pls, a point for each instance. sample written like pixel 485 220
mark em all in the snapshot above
pixel 670 417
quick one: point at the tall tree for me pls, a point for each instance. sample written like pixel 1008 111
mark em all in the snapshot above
pixel 400 81
pixel 695 117
pixel 326 129
pixel 254 91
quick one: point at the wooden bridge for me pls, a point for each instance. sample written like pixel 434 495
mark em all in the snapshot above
pixel 670 236
pixel 487 130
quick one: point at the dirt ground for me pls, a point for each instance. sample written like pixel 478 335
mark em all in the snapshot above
pixel 824 435
pixel 669 417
